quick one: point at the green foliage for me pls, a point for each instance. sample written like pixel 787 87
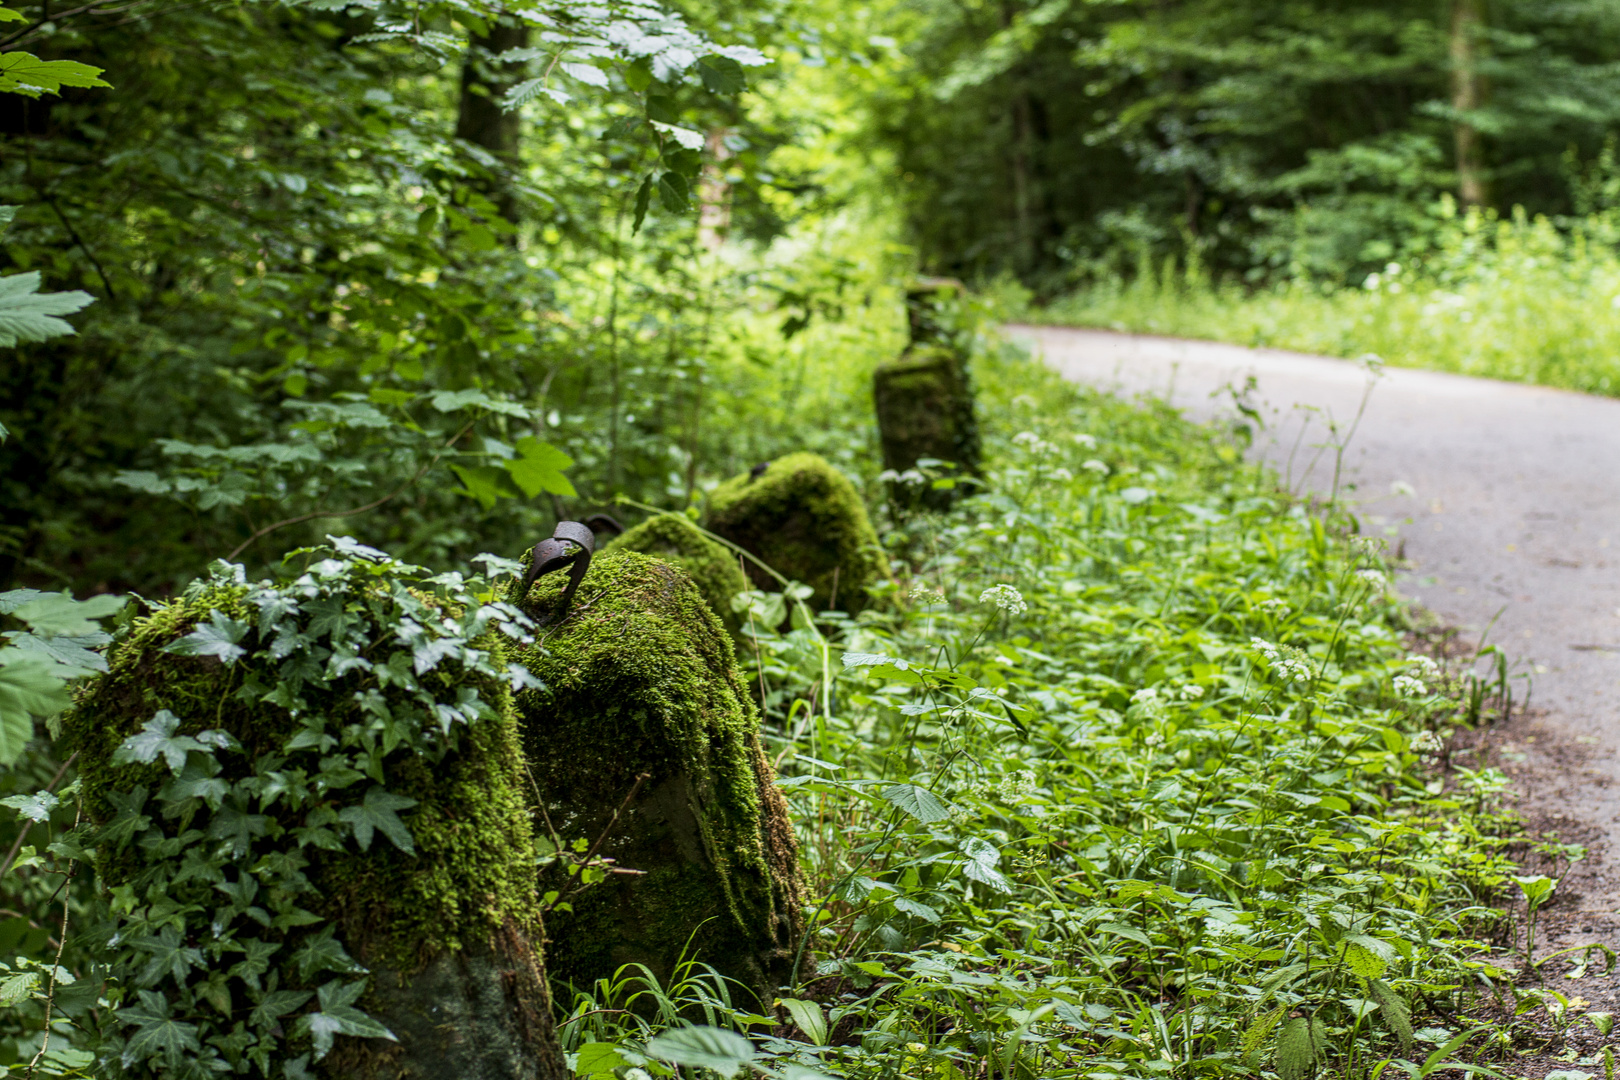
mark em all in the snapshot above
pixel 1518 299
pixel 288 785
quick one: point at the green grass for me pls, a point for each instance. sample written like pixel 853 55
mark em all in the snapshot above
pixel 1132 780
pixel 1505 299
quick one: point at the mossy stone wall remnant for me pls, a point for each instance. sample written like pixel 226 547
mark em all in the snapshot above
pixel 713 567
pixel 804 519
pixel 640 678
pixel 924 401
pixel 313 818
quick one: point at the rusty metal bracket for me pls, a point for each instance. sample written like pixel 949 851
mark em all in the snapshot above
pixel 571 545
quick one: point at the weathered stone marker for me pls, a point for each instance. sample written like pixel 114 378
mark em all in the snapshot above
pixel 713 567
pixel 924 402
pixel 804 519
pixel 315 819
pixel 644 743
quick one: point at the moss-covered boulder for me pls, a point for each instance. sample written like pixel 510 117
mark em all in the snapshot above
pixel 644 716
pixel 310 811
pixel 924 405
pixel 804 519
pixel 712 567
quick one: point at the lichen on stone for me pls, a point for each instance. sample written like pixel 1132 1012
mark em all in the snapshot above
pixel 712 566
pixel 805 520
pixel 325 785
pixel 641 681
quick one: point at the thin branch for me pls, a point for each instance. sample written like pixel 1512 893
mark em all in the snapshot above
pixel 313 514
pixel 50 200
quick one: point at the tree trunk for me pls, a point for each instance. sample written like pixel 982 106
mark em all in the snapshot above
pixel 1468 92
pixel 482 120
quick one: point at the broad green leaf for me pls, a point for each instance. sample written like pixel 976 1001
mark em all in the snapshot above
pixel 597 1058
pixel 30 685
pixel 35 807
pixel 1394 1010
pixel 808 1018
pixel 338 1016
pixel 324 952
pixel 674 193
pixel 26 314
pixel 59 615
pixel 22 73
pixel 721 74
pixel 377 812
pixel 1363 961
pixel 643 201
pixel 725 1052
pixel 157 736
pixel 1296 1050
pixel 538 468
pixel 15 988
pixel 486 483
pixel 919 802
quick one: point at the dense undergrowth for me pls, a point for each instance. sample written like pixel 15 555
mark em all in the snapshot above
pixel 1134 778
pixel 1525 300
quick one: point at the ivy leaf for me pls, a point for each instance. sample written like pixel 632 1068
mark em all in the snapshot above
pixel 26 314
pixel 276 1004
pixel 167 954
pixel 721 74
pixel 377 812
pixel 35 807
pixel 158 737
pixel 725 1052
pixel 919 802
pixel 538 467
pixel 216 637
pixel 338 1016
pixel 324 952
pixel 156 1032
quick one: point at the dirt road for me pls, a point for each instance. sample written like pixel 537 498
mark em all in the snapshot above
pixel 1507 499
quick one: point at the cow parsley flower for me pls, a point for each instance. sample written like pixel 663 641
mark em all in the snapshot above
pixel 1006 598
pixel 1274 606
pixel 1191 692
pixel 1427 669
pixel 1372 579
pixel 1407 686
pixel 1095 466
pixel 1146 694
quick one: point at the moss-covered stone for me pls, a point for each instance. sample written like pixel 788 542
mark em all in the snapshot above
pixel 641 680
pixel 804 519
pixel 448 932
pixel 924 405
pixel 711 566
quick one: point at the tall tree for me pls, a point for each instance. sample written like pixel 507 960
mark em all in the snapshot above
pixel 1468 91
pixel 488 74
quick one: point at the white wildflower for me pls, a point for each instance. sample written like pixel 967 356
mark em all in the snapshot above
pixel 1274 606
pixel 1263 647
pixel 1407 686
pixel 1061 473
pixel 888 476
pixel 1146 694
pixel 1033 443
pixel 1006 598
pixel 912 477
pixel 1191 692
pixel 1427 669
pixel 923 593
pixel 1373 579
pixel 1087 441
pixel 1367 545
pixel 1426 742
pixel 1016 787
pixel 1154 740
pixel 1095 466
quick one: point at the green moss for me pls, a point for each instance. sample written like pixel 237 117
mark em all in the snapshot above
pixel 804 519
pixel 924 405
pixel 711 566
pixel 641 681
pixel 467 890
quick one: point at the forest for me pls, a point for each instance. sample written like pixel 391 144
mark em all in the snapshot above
pixel 526 550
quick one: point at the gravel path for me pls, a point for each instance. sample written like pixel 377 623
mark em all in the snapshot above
pixel 1513 512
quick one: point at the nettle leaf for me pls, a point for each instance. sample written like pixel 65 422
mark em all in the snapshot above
pixel 919 802
pixel 156 1032
pixel 982 859
pixel 377 812
pixel 538 468
pixel 1394 1011
pixel 217 637
pixel 725 1052
pixel 156 738
pixel 26 314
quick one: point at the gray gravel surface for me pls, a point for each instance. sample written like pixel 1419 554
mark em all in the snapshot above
pixel 1506 498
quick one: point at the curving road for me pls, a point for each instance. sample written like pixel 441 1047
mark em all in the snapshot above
pixel 1513 512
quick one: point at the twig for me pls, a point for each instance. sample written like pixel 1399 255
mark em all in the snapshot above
pixel 312 515
pixel 56 965
pixel 79 240
pixel 641 778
